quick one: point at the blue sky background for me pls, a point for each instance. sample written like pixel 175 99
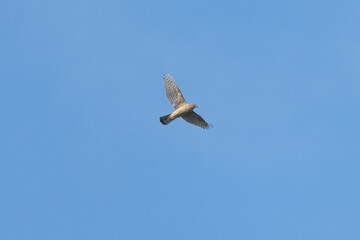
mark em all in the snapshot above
pixel 84 156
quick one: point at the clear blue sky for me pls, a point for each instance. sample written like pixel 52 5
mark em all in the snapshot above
pixel 84 156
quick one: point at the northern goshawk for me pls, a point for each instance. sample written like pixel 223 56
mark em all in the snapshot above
pixel 182 108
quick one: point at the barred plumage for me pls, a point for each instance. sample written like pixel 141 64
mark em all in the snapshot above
pixel 173 93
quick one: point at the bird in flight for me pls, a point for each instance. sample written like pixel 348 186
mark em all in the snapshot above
pixel 182 108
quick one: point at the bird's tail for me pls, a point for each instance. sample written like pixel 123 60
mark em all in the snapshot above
pixel 165 119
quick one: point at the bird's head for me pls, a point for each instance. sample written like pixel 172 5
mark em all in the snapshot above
pixel 194 105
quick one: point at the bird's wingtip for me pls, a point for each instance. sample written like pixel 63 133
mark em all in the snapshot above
pixel 167 75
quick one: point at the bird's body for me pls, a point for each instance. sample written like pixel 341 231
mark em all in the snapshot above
pixel 182 108
pixel 179 112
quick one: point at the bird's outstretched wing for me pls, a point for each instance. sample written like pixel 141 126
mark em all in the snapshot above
pixel 173 93
pixel 196 119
